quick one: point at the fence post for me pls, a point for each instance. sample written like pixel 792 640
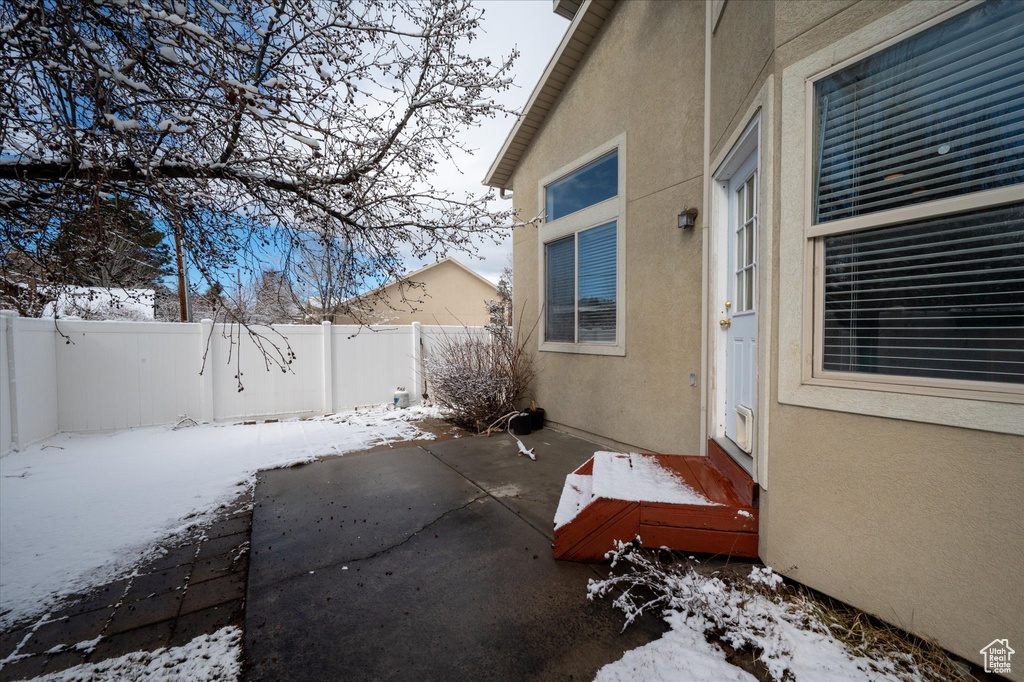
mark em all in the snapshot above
pixel 206 387
pixel 417 363
pixel 328 374
pixel 7 318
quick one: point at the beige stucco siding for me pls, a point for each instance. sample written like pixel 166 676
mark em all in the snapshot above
pixel 443 294
pixel 917 523
pixel 643 399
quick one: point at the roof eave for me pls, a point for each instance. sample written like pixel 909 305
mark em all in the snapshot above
pixel 577 39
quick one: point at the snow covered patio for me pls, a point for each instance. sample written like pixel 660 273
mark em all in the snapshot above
pixel 132 540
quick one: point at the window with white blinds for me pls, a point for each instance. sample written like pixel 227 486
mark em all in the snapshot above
pixel 938 115
pixel 581 287
pixel 560 308
pixel 581 246
pixel 941 298
pixel 597 284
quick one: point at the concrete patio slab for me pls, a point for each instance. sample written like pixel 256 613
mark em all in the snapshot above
pixel 436 566
pixel 530 488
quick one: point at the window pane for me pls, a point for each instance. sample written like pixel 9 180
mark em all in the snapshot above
pixel 591 184
pixel 597 284
pixel 937 298
pixel 748 296
pixel 937 115
pixel 560 308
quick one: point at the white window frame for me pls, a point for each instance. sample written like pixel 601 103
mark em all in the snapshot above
pixel 980 405
pixel 613 209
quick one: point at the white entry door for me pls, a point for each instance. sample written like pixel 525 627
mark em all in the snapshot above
pixel 740 321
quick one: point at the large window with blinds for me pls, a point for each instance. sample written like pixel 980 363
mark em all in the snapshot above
pixel 580 256
pixel 918 206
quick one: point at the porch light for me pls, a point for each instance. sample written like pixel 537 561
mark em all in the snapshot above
pixel 688 218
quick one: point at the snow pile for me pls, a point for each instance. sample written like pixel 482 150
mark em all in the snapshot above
pixel 576 495
pixel 640 478
pixel 98 303
pixel 207 658
pixel 682 653
pixel 78 511
pixel 782 630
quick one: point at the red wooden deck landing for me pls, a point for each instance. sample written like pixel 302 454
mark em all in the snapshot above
pixel 729 527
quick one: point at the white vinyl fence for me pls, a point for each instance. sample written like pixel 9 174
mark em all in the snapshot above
pixel 77 375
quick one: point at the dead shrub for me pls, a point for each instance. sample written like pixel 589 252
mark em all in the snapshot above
pixel 480 378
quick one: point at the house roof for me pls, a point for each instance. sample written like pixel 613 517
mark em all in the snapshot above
pixel 581 32
pixel 412 276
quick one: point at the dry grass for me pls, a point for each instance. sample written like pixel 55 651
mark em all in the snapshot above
pixel 871 637
pixel 733 598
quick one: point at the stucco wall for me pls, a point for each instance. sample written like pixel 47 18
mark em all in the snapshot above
pixel 643 399
pixel 919 524
pixel 448 296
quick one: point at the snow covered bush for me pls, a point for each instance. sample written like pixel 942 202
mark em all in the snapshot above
pixel 479 379
pixel 790 633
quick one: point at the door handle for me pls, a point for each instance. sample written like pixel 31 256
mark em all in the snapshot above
pixel 725 323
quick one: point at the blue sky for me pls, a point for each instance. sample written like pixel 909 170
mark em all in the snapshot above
pixel 536 30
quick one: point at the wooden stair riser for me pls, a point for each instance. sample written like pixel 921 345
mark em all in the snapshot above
pixel 621 528
pixel 697 540
pixel 593 516
pixel 707 518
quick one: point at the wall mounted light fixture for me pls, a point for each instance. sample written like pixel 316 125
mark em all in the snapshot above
pixel 688 218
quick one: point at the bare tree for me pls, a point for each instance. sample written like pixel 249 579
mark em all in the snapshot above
pixel 500 309
pixel 324 286
pixel 242 126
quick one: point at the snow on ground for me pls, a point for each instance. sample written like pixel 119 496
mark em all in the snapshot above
pixel 789 637
pixel 103 303
pixel 637 478
pixel 207 658
pixel 79 510
pixel 681 654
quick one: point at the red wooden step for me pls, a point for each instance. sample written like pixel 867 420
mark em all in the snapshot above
pixel 695 507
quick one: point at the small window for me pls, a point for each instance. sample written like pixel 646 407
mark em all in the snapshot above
pixel 581 299
pixel 590 185
pixel 938 295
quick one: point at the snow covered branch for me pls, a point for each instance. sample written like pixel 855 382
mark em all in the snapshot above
pixel 242 127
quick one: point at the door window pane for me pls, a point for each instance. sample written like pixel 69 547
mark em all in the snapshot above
pixel 595 182
pixel 597 283
pixel 940 114
pixel 940 298
pixel 560 303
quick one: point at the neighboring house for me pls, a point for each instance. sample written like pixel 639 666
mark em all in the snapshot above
pixel 846 317
pixel 445 292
